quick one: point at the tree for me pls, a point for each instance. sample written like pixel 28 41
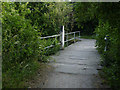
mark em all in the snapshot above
pixel 85 17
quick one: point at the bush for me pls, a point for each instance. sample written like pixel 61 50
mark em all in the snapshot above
pixel 20 45
pixel 22 48
pixel 111 56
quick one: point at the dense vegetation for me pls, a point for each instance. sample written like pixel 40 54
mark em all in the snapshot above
pixel 86 18
pixel 109 22
pixel 24 23
pixel 107 16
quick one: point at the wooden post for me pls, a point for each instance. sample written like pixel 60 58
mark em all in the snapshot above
pixel 63 34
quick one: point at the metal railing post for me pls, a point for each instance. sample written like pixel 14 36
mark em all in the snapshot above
pixel 74 37
pixel 79 33
pixel 62 38
pixel 63 33
pixel 55 40
pixel 67 39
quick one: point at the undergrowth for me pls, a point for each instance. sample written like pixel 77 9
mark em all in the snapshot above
pixel 17 77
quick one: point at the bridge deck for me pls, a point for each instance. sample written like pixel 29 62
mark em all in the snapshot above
pixel 76 67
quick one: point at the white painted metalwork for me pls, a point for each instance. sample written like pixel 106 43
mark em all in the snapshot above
pixel 50 36
pixel 74 36
pixel 62 38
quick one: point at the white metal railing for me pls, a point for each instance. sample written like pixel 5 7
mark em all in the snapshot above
pixel 50 36
pixel 53 36
pixel 62 38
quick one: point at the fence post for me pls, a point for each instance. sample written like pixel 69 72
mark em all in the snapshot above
pixel 74 37
pixel 67 39
pixel 79 34
pixel 63 33
pixel 56 40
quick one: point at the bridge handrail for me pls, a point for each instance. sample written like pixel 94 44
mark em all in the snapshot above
pixel 72 32
pixel 59 35
pixel 50 36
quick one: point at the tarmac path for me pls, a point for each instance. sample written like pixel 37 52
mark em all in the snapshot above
pixel 76 67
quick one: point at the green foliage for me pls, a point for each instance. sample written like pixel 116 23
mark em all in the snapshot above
pixel 101 31
pixel 109 16
pixel 17 77
pixel 84 11
pixel 109 12
pixel 20 41
pixel 22 26
pixel 85 16
pixel 112 76
pixel 48 51
pixel 54 49
pixel 49 16
pixel 24 23
pixel 20 45
pixel 111 56
pixel 57 16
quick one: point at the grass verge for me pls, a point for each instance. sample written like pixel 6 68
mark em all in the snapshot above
pixel 17 78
